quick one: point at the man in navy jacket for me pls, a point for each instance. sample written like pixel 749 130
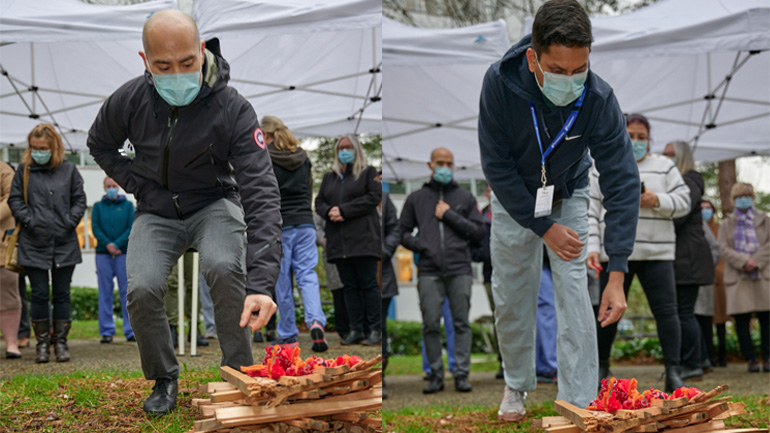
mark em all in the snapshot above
pixel 542 110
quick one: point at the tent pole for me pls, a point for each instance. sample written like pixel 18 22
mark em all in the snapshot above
pixel 32 73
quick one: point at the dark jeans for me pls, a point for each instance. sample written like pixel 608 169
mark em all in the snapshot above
pixel 743 328
pixel 341 313
pixel 657 278
pixel 362 292
pixel 686 294
pixel 707 350
pixel 59 292
pixel 24 329
pixel 384 315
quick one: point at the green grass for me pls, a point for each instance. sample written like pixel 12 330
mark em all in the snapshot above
pixel 412 364
pixel 475 418
pixel 102 400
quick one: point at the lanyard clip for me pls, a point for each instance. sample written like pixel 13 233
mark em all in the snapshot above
pixel 542 175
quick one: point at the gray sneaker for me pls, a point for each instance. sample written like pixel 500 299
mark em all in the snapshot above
pixel 512 406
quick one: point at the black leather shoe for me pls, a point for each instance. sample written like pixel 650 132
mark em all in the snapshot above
pixel 163 397
pixel 131 339
pixel 106 339
pixel 271 335
pixel 374 339
pixel 257 338
pixel 354 337
pixel 753 367
pixel 436 384
pixel 462 385
pixel 199 339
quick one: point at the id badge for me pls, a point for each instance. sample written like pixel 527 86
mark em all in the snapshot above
pixel 544 201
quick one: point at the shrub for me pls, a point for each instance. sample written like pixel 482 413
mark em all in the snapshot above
pixel 405 338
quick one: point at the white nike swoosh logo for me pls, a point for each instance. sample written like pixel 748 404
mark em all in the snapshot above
pixel 572 138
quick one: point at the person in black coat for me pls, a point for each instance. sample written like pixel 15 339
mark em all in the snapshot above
pixel 54 204
pixel 693 265
pixel 348 200
pixel 447 219
pixel 391 238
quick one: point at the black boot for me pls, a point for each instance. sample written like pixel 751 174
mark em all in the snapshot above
pixel 673 378
pixel 354 337
pixel 200 340
pixel 174 335
pixel 42 330
pixel 374 339
pixel 60 330
pixel 693 374
pixel 163 397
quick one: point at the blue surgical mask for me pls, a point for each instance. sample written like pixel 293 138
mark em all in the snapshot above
pixel 112 193
pixel 562 89
pixel 744 202
pixel 178 89
pixel 442 175
pixel 41 157
pixel 346 156
pixel 640 149
pixel 707 213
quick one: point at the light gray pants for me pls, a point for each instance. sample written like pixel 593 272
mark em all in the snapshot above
pixel 433 290
pixel 218 233
pixel 517 263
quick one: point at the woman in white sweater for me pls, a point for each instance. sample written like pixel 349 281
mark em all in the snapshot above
pixel 664 196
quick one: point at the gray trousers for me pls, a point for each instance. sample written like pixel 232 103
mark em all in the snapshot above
pixel 517 263
pixel 218 233
pixel 433 290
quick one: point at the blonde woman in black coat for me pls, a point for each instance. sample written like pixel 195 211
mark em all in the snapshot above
pixel 348 200
pixel 48 243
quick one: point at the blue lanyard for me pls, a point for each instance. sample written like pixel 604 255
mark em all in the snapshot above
pixel 560 136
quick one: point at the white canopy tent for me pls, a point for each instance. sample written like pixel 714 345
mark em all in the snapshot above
pixel 316 67
pixel 433 81
pixel 698 69
pixel 668 61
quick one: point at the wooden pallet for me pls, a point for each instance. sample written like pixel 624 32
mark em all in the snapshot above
pixel 340 399
pixel 701 414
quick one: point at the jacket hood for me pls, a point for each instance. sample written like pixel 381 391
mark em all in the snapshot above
pixel 514 64
pixel 216 72
pixel 285 159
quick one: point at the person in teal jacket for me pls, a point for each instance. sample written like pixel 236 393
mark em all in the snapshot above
pixel 111 221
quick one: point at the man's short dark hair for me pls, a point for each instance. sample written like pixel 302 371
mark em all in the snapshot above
pixel 561 22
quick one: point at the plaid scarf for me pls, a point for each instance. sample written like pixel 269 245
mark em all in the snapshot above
pixel 746 237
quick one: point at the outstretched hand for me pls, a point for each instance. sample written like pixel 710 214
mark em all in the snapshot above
pixel 257 310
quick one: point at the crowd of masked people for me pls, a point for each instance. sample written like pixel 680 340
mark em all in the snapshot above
pixel 44 202
pixel 695 271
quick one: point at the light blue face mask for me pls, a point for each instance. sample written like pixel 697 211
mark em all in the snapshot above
pixel 346 156
pixel 41 157
pixel 112 193
pixel 707 213
pixel 640 149
pixel 178 89
pixel 744 202
pixel 442 175
pixel 562 89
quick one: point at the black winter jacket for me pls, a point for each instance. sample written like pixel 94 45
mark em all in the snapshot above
pixel 442 244
pixel 693 263
pixel 185 158
pixel 391 238
pixel 357 198
pixel 293 172
pixel 57 202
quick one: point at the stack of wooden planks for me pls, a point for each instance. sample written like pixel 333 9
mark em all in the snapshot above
pixel 338 399
pixel 700 414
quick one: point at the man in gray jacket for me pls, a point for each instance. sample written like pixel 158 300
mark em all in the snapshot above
pixel 200 163
pixel 447 219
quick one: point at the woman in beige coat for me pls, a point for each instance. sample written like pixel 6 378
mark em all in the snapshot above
pixel 10 301
pixel 744 241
